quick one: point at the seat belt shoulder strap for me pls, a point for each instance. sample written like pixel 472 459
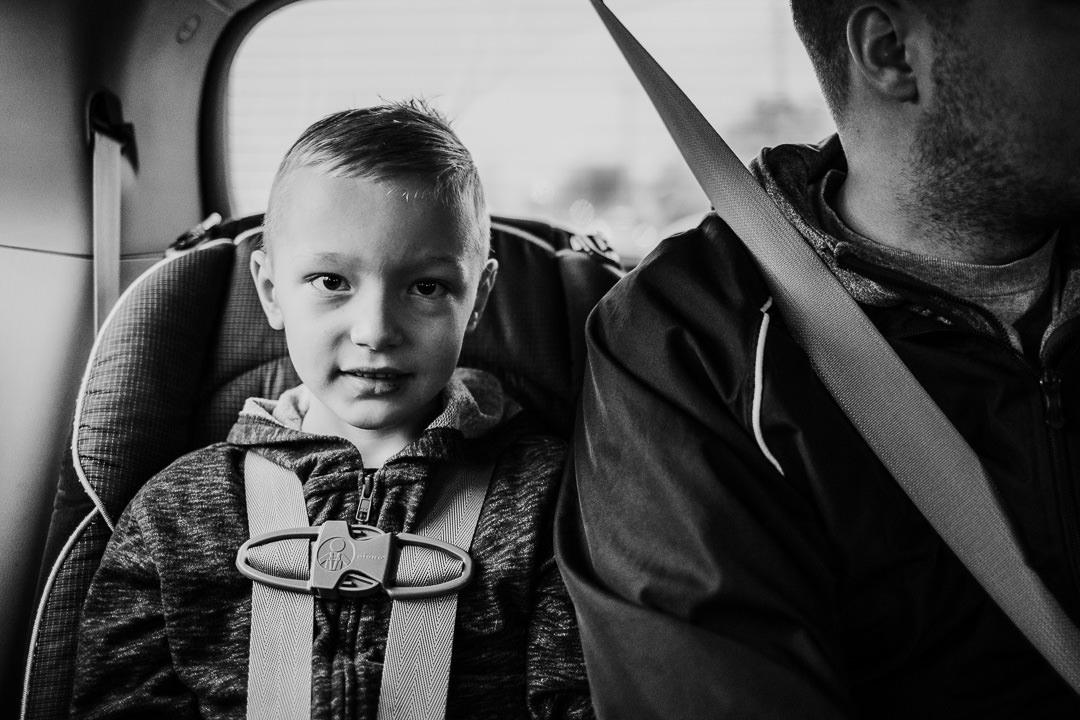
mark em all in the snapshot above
pixel 110 136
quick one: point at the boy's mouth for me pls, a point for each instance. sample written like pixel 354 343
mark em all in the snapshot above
pixel 377 381
pixel 376 374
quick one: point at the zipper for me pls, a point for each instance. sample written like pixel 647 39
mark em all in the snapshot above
pixel 1054 415
pixel 366 501
pixel 1050 382
pixel 1066 494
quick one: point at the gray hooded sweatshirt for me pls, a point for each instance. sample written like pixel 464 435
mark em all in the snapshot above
pixel 165 628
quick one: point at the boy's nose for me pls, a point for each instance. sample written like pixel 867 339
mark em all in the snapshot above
pixel 373 324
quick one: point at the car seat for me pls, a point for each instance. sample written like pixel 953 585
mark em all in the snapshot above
pixel 187 343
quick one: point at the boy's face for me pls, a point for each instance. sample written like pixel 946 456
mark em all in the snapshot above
pixel 375 288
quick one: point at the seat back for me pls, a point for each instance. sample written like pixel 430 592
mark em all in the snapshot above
pixel 186 345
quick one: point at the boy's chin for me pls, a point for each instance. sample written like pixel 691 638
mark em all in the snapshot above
pixel 349 418
pixel 385 416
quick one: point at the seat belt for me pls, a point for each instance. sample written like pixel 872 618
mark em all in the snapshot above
pixel 901 423
pixel 109 135
pixel 106 235
pixel 419 642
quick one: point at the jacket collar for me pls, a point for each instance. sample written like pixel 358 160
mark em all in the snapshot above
pixel 790 174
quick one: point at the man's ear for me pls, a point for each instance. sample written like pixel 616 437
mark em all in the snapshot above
pixel 264 286
pixel 483 292
pixel 891 46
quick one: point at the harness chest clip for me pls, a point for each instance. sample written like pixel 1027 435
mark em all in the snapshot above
pixel 348 562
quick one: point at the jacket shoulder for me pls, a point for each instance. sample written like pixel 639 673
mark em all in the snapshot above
pixel 522 450
pixel 527 468
pixel 705 267
pixel 197 478
pixel 699 296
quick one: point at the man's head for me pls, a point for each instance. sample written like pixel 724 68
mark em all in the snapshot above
pixel 375 265
pixel 971 100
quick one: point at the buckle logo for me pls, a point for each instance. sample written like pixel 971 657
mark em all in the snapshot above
pixel 335 554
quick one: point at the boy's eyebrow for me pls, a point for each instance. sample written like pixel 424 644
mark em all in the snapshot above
pixel 440 259
pixel 445 259
pixel 445 262
pixel 328 256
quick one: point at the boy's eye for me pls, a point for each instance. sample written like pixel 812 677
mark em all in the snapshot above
pixel 329 283
pixel 428 288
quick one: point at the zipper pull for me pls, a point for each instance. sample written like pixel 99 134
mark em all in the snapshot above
pixel 1051 388
pixel 366 501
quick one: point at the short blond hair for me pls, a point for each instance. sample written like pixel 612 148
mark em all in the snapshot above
pixel 406 140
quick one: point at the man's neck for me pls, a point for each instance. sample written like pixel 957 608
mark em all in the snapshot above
pixel 885 210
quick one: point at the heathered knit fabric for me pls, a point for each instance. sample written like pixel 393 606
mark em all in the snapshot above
pixel 166 624
pixel 1009 291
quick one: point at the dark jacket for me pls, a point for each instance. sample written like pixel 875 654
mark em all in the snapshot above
pixel 733 547
pixel 166 624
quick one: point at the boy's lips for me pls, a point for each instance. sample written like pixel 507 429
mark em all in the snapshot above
pixel 377 381
pixel 376 373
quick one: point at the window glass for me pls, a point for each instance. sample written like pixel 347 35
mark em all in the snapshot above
pixel 539 93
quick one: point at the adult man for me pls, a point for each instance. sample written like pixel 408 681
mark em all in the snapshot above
pixel 733 547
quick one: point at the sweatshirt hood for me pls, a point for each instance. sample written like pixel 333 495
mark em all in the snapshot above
pixel 473 404
pixel 791 174
pixel 794 176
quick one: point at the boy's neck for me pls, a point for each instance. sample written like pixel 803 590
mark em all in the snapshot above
pixel 375 446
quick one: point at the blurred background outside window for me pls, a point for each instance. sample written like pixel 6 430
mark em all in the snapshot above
pixel 559 127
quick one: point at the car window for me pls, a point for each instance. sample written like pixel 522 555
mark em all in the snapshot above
pixel 558 125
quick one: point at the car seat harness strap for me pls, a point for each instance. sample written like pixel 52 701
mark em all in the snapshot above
pixel 421 572
pixel 903 425
pixel 421 635
pixel 282 622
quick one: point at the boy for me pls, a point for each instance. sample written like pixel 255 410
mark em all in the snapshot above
pixel 375 264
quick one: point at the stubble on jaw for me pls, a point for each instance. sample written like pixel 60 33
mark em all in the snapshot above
pixel 975 180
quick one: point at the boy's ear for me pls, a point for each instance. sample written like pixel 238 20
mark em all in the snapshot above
pixel 264 286
pixel 483 291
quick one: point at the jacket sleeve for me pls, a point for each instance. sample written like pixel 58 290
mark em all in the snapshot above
pixel 557 684
pixel 701 576
pixel 123 667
